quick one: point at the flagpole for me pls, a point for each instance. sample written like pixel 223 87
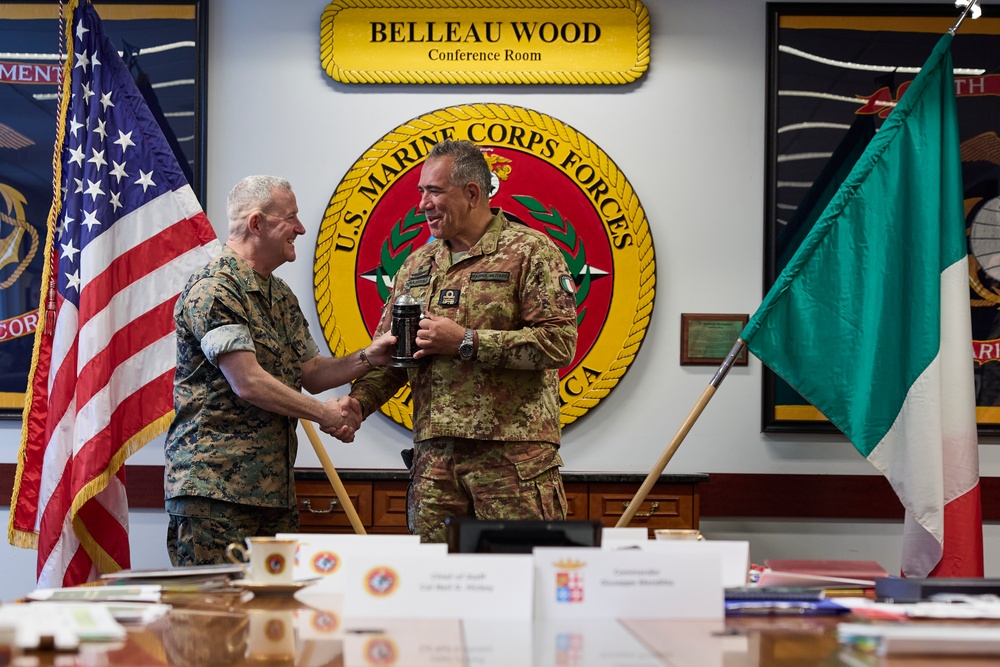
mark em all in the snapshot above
pixel 969 6
pixel 331 472
pixel 668 453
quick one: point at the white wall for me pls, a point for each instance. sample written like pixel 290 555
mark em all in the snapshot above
pixel 689 136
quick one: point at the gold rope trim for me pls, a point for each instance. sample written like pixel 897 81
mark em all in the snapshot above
pixel 23 225
pixel 495 77
pixel 23 538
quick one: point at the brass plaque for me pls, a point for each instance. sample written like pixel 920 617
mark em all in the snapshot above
pixel 471 41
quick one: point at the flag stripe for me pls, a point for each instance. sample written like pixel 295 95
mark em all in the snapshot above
pixel 149 327
pixel 156 395
pixel 870 322
pixel 121 243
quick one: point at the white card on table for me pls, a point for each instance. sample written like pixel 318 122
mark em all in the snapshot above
pixel 455 586
pixel 616 538
pixel 734 554
pixel 323 554
pixel 600 583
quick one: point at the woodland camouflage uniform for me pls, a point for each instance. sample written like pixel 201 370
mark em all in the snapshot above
pixel 513 287
pixel 219 446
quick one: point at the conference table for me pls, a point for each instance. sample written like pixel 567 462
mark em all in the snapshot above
pixel 307 630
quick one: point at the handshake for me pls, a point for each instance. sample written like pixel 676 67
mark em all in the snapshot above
pixel 342 417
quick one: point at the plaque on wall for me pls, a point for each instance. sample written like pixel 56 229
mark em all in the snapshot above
pixel 465 41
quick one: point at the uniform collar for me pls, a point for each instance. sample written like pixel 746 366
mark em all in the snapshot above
pixel 248 278
pixel 486 245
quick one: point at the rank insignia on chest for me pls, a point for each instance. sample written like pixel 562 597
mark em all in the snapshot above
pixel 448 298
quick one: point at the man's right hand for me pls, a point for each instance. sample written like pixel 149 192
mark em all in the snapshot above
pixel 341 418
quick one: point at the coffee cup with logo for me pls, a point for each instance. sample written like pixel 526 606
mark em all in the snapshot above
pixel 265 560
pixel 678 534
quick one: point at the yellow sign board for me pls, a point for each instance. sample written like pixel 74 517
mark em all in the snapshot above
pixel 472 41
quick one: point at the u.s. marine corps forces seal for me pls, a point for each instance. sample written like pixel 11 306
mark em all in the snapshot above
pixel 546 175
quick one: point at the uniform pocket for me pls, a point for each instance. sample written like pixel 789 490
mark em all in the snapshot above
pixel 532 459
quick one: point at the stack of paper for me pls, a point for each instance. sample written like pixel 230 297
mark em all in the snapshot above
pixel 828 574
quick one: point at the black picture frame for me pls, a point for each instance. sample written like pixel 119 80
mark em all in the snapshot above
pixel 822 109
pixel 165 44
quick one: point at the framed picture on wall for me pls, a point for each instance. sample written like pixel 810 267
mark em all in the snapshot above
pixel 164 46
pixel 835 72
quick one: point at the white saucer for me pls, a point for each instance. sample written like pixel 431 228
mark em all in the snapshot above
pixel 263 589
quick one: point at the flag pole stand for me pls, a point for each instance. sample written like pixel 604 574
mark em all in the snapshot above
pixel 654 475
pixel 331 473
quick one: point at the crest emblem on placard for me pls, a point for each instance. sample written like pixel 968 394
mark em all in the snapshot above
pixel 325 562
pixel 546 175
pixel 569 581
pixel 381 581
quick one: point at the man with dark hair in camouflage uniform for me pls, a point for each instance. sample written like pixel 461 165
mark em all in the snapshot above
pixel 244 353
pixel 501 321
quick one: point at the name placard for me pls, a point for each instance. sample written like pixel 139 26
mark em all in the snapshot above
pixel 600 583
pixel 734 555
pixel 455 586
pixel 469 41
pixel 323 555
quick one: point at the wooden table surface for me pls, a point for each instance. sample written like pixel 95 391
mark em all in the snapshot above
pixel 307 630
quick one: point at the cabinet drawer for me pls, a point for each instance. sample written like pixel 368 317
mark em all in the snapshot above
pixel 320 509
pixel 666 506
pixel 389 507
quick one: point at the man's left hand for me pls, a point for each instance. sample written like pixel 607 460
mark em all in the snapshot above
pixel 438 335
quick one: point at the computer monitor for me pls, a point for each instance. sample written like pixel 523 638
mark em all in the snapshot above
pixel 519 536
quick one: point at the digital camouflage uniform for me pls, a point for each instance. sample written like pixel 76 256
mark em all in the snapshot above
pixel 490 425
pixel 229 462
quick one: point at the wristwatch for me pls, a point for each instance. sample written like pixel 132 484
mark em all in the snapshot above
pixel 466 348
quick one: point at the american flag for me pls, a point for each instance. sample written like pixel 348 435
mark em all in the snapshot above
pixel 125 233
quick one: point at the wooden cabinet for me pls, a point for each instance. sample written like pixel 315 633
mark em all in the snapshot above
pixel 666 505
pixel 379 498
pixel 320 510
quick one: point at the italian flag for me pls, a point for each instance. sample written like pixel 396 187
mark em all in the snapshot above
pixel 870 323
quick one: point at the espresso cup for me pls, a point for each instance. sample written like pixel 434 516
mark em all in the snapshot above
pixel 265 560
pixel 678 534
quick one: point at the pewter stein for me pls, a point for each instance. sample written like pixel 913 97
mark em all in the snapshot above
pixel 406 313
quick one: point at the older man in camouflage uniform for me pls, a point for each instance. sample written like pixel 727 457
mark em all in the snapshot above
pixel 501 322
pixel 244 353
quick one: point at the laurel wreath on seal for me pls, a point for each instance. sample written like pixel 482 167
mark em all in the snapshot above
pixel 396 249
pixel 562 230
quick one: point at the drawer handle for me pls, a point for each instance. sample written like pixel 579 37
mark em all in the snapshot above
pixel 308 505
pixel 655 505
